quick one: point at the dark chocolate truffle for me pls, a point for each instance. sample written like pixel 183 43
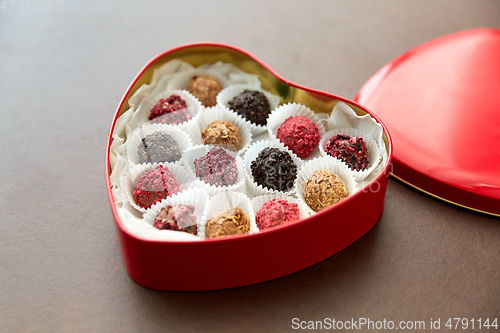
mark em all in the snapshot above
pixel 274 169
pixel 299 134
pixel 351 150
pixel 220 132
pixel 323 189
pixel 205 88
pixel 153 185
pixel 226 222
pixel 251 105
pixel 177 218
pixel 158 147
pixel 217 168
pixel 170 110
pixel 276 212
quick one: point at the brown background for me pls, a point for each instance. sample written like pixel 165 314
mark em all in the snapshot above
pixel 62 74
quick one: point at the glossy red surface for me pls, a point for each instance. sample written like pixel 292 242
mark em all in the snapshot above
pixel 248 259
pixel 441 103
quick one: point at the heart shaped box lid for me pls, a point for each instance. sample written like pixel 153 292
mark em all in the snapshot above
pixel 441 104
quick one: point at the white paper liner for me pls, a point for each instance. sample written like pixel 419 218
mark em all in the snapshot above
pixel 184 177
pixel 135 139
pixel 243 78
pixel 343 116
pixel 181 79
pixel 257 203
pixel 278 117
pixel 228 200
pixel 196 152
pixel 161 76
pixel 227 95
pixel 192 196
pixel 374 153
pixel 193 106
pixel 216 113
pixel 331 164
pixel 252 153
pixel 139 228
pixel 131 219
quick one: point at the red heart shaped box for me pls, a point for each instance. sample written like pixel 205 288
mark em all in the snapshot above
pixel 247 259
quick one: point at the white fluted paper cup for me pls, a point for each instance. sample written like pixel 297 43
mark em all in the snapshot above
pixel 135 140
pixel 183 176
pixel 257 203
pixel 374 151
pixel 228 94
pixel 216 113
pixel 226 200
pixel 139 228
pixel 282 113
pixel 252 153
pixel 182 79
pixel 193 106
pixel 327 163
pixel 196 197
pixel 199 151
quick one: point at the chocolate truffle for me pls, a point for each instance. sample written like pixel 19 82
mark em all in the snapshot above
pixel 205 88
pixel 153 185
pixel 323 189
pixel 251 105
pixel 299 134
pixel 177 218
pixel 274 169
pixel 170 110
pixel 224 133
pixel 217 168
pixel 158 147
pixel 230 221
pixel 275 212
pixel 351 150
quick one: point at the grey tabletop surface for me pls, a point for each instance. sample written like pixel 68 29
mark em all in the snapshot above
pixel 64 66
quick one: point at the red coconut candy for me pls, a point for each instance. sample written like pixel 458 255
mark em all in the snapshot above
pixel 299 134
pixel 351 150
pixel 276 212
pixel 217 168
pixel 177 218
pixel 154 185
pixel 170 110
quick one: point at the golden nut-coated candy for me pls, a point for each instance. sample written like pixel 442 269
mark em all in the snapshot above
pixel 220 132
pixel 205 88
pixel 226 222
pixel 323 189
